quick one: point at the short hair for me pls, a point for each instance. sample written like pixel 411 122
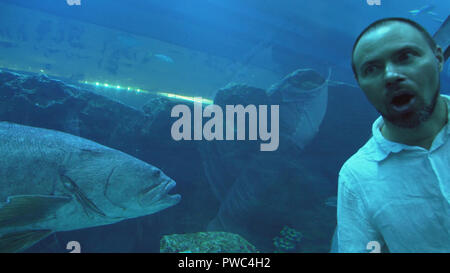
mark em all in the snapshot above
pixel 386 21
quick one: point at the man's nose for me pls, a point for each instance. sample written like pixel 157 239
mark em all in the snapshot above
pixel 392 76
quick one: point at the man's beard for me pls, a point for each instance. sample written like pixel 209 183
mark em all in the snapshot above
pixel 413 118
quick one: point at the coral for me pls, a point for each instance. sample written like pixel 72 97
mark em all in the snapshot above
pixel 288 241
pixel 205 242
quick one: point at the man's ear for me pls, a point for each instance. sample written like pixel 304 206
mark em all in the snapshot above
pixel 440 57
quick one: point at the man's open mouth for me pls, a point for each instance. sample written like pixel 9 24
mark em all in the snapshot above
pixel 403 101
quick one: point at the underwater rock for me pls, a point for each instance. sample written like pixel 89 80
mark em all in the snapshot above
pixel 258 190
pixel 47 103
pixel 223 160
pixel 206 242
pixel 159 109
pixel 272 191
pixel 302 96
pixel 233 94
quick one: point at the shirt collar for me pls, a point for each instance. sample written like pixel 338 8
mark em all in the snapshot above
pixel 384 147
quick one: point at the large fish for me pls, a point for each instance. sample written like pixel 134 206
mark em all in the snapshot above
pixel 52 181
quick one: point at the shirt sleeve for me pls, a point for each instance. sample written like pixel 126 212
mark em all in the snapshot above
pixel 355 233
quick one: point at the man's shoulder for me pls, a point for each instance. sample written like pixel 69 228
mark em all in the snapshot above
pixel 363 162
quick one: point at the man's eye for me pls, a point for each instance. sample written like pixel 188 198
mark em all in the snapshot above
pixel 405 56
pixel 369 69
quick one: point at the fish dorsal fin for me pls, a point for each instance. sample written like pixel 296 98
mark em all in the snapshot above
pixel 22 210
pixel 18 241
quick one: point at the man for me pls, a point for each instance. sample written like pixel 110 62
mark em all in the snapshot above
pixel 394 193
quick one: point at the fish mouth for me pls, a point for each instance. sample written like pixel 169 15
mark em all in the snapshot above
pixel 159 194
pixel 402 101
pixel 169 186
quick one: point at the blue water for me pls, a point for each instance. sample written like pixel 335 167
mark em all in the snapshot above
pixel 194 48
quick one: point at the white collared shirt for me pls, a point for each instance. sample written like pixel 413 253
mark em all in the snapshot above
pixel 396 195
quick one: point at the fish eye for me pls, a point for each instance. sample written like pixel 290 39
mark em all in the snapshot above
pixel 156 173
pixel 67 183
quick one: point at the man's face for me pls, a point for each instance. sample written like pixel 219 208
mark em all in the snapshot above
pixel 399 73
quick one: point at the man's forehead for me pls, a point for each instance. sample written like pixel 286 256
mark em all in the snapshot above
pixel 397 29
pixel 392 34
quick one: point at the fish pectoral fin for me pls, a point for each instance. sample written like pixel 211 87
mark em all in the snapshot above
pixel 88 205
pixel 21 210
pixel 18 241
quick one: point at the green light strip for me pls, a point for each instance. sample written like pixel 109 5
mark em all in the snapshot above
pixel 139 90
pixel 180 97
pixel 117 87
